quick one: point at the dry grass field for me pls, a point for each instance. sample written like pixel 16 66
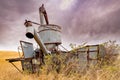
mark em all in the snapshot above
pixel 7 71
pixel 106 72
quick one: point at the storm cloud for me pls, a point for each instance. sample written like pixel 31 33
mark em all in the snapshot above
pixel 81 20
pixel 93 21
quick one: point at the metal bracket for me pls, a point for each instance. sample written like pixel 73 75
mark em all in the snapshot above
pixel 16 67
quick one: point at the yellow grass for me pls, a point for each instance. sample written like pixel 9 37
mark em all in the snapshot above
pixel 8 72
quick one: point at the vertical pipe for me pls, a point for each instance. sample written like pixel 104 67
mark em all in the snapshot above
pixel 46 18
pixel 41 16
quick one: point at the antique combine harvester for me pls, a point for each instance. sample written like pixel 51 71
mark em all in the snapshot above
pixel 48 37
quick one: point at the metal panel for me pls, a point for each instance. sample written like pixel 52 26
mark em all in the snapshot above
pixel 93 55
pixel 50 35
pixel 84 49
pixel 92 48
pixel 82 59
pixel 27 49
pixel 102 51
pixel 82 56
pixel 90 55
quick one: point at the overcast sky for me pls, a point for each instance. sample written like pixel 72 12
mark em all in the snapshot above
pixel 91 21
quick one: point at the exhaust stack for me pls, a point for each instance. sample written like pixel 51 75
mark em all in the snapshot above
pixel 43 14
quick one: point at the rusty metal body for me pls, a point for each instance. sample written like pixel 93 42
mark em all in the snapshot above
pixel 86 56
pixel 90 55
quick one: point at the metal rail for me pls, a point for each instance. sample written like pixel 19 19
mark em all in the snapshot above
pixel 16 67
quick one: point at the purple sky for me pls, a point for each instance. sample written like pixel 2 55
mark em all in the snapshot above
pixel 91 21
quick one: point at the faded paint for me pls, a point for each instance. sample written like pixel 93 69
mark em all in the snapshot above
pixel 90 54
pixel 31 33
pixel 27 49
pixel 50 35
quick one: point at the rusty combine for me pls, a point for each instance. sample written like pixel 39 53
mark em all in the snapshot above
pixel 48 37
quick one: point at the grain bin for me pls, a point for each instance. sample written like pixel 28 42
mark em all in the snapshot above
pixel 50 35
